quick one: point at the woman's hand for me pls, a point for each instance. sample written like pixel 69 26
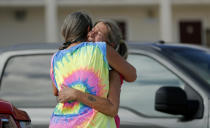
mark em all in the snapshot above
pixel 55 90
pixel 67 94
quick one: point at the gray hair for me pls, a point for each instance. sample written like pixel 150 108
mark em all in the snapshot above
pixel 114 37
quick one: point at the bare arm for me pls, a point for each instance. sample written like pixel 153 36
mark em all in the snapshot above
pixel 107 106
pixel 55 90
pixel 121 65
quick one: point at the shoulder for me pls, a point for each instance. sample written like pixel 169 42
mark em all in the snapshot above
pixel 57 55
pixel 101 44
pixel 94 43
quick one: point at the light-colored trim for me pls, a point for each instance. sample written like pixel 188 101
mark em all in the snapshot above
pixel 165 11
pixel 22 3
pixel 51 21
pixel 74 3
pixel 106 2
pixel 191 2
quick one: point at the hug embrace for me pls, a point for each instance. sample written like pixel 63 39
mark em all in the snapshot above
pixel 87 73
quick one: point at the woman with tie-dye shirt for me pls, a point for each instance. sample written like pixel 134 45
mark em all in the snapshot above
pixel 84 66
pixel 108 31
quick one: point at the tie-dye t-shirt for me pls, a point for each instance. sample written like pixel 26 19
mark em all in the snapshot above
pixel 83 67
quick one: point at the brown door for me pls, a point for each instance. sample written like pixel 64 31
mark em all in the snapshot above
pixel 191 32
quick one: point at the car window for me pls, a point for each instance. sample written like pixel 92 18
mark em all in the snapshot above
pixel 139 96
pixel 26 81
pixel 196 60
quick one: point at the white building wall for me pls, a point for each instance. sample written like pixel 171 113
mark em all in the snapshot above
pixel 142 21
pixel 140 27
pixel 32 29
pixel 190 13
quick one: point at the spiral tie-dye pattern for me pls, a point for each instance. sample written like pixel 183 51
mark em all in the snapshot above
pixel 83 67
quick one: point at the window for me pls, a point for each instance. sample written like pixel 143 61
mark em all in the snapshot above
pixel 26 81
pixel 151 75
pixel 20 15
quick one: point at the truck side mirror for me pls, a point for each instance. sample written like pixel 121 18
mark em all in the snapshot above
pixel 173 100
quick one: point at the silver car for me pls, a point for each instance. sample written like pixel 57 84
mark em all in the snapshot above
pixel 149 102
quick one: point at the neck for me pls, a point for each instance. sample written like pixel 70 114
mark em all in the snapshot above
pixel 76 43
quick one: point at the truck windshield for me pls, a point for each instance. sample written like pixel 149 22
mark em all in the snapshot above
pixel 197 60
